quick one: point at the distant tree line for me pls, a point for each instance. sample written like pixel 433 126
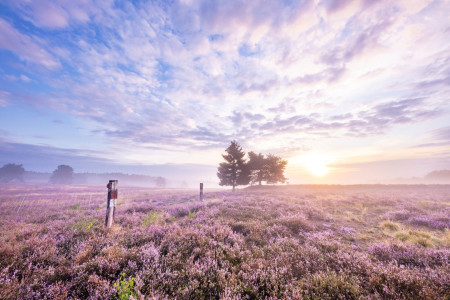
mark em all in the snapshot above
pixel 443 175
pixel 64 174
pixel 14 173
pixel 236 170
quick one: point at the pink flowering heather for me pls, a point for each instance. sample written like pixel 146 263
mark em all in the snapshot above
pixel 313 242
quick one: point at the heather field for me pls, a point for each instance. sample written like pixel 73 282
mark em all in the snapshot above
pixel 299 242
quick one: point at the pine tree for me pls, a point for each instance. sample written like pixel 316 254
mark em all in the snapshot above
pixel 234 170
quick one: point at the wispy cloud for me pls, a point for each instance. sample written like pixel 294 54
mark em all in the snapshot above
pixel 24 47
pixel 61 13
pixel 194 74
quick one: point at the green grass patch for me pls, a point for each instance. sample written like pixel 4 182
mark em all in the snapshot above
pixel 151 218
pixel 390 226
pixel 75 206
pixel 402 236
pixel 418 237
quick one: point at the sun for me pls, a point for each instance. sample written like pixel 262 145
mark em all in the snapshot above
pixel 317 165
pixel 318 170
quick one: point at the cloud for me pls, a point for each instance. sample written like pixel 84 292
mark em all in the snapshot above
pixel 199 73
pixel 357 42
pixel 46 159
pixel 437 138
pixel 373 120
pixel 58 14
pixel 24 46
pixel 441 133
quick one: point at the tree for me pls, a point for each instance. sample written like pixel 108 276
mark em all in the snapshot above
pixel 234 171
pixel 62 175
pixel 441 175
pixel 160 181
pixel 10 172
pixel 258 167
pixel 269 169
pixel 275 169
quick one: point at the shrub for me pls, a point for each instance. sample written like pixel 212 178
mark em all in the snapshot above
pixel 398 215
pixel 152 218
pixel 296 224
pixel 182 210
pixel 330 285
pixel 433 222
pixel 125 287
pixel 409 255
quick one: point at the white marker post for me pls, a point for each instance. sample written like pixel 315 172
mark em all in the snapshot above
pixel 112 202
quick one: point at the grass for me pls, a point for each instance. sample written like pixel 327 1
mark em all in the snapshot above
pixel 390 226
pixel 419 237
pixel 75 206
pixel 151 218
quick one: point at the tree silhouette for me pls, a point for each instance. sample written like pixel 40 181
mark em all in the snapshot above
pixel 10 172
pixel 258 167
pixel 275 169
pixel 62 175
pixel 160 181
pixel 269 169
pixel 234 171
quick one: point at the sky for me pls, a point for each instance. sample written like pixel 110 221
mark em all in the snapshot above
pixel 346 91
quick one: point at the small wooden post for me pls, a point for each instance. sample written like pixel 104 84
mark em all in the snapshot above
pixel 201 191
pixel 111 204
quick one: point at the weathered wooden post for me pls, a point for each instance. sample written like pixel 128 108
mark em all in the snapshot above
pixel 112 202
pixel 201 191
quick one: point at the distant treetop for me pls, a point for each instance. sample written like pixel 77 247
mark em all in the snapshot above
pixel 62 175
pixel 442 175
pixel 10 172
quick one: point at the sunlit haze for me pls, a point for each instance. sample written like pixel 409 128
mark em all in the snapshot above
pixel 346 91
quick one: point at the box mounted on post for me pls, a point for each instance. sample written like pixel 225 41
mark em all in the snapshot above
pixel 112 203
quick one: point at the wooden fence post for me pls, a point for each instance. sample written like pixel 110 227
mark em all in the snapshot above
pixel 201 191
pixel 111 204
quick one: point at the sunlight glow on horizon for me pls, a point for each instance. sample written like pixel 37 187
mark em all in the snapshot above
pixel 315 164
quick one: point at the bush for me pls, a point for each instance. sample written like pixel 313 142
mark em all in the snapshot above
pixel 125 287
pixel 330 285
